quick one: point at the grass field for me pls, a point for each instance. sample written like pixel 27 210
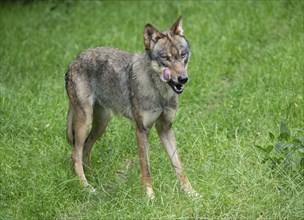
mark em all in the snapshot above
pixel 240 125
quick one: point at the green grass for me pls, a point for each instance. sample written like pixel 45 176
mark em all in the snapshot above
pixel 246 77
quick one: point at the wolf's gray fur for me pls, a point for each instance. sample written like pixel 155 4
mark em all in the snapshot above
pixel 142 87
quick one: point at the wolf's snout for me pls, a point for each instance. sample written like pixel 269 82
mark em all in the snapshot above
pixel 182 79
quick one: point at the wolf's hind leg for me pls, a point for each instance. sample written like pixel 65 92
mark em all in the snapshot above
pixel 101 118
pixel 81 120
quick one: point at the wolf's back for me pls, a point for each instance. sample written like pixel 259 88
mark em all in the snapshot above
pixel 102 72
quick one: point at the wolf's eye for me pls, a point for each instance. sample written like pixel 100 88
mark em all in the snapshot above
pixel 165 58
pixel 183 55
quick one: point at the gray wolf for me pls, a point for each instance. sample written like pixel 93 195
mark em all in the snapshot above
pixel 142 87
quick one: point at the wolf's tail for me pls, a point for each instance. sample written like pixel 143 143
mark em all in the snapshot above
pixel 70 130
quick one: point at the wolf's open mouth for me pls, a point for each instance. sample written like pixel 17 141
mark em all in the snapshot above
pixel 178 88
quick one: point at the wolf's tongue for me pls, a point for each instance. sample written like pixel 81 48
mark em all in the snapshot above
pixel 166 76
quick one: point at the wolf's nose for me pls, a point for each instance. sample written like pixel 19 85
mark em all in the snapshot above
pixel 182 79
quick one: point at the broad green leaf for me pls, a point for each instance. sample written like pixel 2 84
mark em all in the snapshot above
pixel 301 149
pixel 296 141
pixel 302 141
pixel 269 149
pixel 271 135
pixel 284 132
pixel 279 146
pixel 302 163
pixel 261 148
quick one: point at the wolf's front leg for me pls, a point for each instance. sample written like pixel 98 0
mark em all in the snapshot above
pixel 166 135
pixel 143 152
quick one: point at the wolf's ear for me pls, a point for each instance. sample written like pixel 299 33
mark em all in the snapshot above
pixel 151 36
pixel 177 27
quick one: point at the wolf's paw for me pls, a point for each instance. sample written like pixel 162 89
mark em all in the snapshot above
pixel 150 193
pixel 192 193
pixel 90 189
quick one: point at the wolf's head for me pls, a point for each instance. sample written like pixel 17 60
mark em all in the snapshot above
pixel 169 52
